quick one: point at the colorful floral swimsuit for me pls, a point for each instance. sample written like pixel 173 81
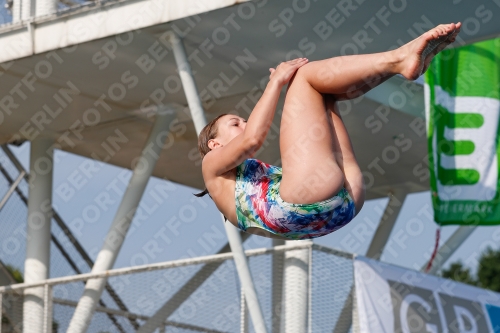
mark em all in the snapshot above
pixel 259 204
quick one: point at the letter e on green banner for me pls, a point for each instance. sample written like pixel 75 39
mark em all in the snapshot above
pixel 462 99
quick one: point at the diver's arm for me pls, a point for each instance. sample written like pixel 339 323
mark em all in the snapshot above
pixel 243 146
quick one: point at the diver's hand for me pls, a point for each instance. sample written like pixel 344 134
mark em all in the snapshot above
pixel 284 71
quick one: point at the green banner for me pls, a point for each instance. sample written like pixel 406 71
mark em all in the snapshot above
pixel 462 98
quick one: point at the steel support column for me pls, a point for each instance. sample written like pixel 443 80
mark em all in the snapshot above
pixel 121 223
pixel 294 314
pixel 198 116
pixel 449 247
pixel 67 232
pixel 188 83
pixel 277 287
pixel 245 277
pixel 37 264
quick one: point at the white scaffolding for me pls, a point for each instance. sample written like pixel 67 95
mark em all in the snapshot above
pixel 123 218
pixel 37 264
pixel 233 235
pixel 337 262
pixel 29 34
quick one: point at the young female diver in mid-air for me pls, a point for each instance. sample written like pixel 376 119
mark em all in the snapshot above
pixel 319 187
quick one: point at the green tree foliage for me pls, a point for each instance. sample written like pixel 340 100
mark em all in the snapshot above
pixel 488 273
pixel 459 273
pixel 16 273
pixel 489 270
pixel 18 277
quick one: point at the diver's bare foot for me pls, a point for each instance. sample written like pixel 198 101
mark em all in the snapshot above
pixel 440 48
pixel 416 55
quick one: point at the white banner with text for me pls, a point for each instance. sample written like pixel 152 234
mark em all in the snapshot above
pixel 392 299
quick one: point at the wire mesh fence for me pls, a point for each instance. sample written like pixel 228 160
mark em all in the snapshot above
pixel 67 256
pixel 191 295
pixel 202 294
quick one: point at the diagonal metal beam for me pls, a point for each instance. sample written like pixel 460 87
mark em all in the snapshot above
pixel 12 188
pixel 380 238
pixel 65 253
pixel 449 247
pixel 185 291
pixel 387 222
pixel 138 316
pixel 14 160
pixel 344 320
pixel 235 242
pixel 77 270
pixel 123 219
pixel 60 222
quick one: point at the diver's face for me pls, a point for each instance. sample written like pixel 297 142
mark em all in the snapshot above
pixel 229 127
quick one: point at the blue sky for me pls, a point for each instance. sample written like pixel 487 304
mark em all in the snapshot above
pixel 173 224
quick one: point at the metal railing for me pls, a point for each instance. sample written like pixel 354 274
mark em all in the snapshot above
pixel 67 250
pixel 330 279
pixel 14 188
pixel 6 7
